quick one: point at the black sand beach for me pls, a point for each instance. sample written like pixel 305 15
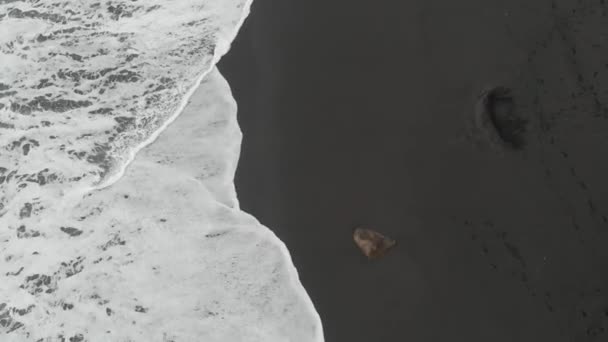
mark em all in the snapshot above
pixel 362 113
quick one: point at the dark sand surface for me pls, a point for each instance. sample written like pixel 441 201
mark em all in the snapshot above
pixel 359 113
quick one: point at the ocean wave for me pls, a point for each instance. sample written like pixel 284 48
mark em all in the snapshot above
pixel 159 251
pixel 86 83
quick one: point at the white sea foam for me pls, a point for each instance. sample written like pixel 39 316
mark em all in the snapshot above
pixel 93 250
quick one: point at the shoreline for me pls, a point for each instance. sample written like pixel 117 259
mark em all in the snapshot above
pixel 362 121
pixel 225 47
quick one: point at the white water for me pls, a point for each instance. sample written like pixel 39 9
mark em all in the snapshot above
pixel 145 241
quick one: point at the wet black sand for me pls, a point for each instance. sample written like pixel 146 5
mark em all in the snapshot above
pixel 362 113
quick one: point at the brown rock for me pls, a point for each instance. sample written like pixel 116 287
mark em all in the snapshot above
pixel 372 243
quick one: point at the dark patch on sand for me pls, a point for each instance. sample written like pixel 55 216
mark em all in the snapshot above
pixel 497 115
pixel 514 252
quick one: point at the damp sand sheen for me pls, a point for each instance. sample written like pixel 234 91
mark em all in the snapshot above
pixel 119 220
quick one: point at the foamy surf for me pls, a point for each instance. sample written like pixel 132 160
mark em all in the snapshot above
pixel 94 250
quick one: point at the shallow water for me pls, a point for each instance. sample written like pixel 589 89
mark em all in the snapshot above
pixel 158 251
